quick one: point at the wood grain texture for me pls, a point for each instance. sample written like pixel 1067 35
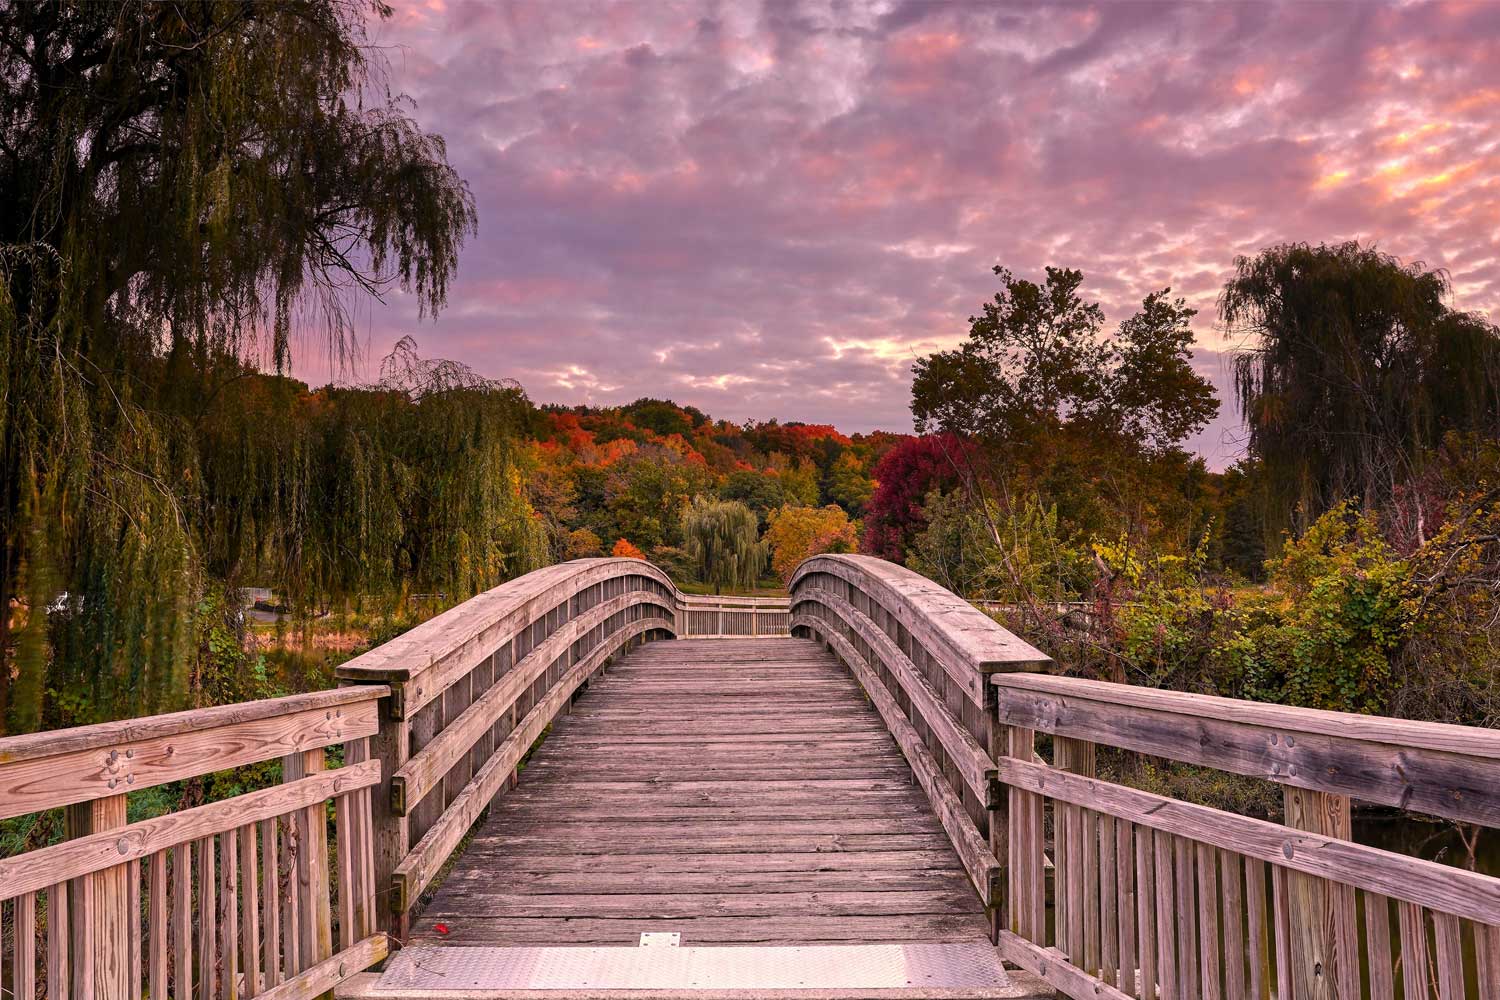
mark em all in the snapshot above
pixel 105 849
pixel 818 857
pixel 1436 772
pixel 1440 887
pixel 154 753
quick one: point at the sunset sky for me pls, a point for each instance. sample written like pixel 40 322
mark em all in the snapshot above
pixel 771 210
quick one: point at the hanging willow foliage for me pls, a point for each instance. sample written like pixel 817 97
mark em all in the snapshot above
pixel 179 183
pixel 722 540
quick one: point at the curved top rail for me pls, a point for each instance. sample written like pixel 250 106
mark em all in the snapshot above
pixel 938 617
pixel 452 643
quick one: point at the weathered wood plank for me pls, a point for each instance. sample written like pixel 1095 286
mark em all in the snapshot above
pixel 1441 887
pixel 973 849
pixel 1346 756
pixel 97 852
pixel 39 782
pixel 808 856
pixel 1053 968
pixel 318 980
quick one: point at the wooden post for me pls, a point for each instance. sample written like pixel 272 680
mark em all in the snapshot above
pixel 312 883
pixel 1078 757
pixel 1022 855
pixel 1320 916
pixel 391 832
pixel 100 909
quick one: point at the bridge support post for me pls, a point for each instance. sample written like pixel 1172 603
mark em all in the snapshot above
pixel 100 909
pixel 1321 914
pixel 391 746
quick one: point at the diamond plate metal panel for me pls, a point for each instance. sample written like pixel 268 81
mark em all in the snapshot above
pixel 956 966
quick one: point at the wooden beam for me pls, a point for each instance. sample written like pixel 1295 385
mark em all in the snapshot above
pixel 1426 883
pixel 112 846
pixel 132 761
pixel 329 973
pixel 1283 745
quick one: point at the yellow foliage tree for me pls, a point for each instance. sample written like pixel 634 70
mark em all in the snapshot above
pixel 794 533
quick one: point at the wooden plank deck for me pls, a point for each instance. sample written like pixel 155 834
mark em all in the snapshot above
pixel 736 792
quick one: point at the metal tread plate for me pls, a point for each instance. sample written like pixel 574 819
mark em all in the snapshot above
pixel 958 970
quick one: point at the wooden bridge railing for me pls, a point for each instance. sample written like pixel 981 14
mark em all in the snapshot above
pixel 1152 896
pixel 924 656
pixel 233 898
pixel 732 617
pixel 475 687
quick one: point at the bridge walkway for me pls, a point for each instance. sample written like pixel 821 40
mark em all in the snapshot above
pixel 733 792
pixel 739 793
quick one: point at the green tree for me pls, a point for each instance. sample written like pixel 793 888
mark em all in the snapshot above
pixel 1036 362
pixel 180 180
pixel 1355 370
pixel 722 538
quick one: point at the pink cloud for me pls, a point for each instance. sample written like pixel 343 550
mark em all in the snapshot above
pixel 769 210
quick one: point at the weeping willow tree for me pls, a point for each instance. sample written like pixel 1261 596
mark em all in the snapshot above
pixel 722 540
pixel 1353 371
pixel 181 187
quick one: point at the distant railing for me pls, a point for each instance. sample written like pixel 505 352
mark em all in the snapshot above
pixel 234 898
pixel 732 617
pixel 924 656
pixel 1155 897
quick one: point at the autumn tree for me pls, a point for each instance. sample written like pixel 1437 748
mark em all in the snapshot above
pixel 722 538
pixel 903 478
pixel 796 533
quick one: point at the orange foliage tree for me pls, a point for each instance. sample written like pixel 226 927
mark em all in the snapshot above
pixel 624 550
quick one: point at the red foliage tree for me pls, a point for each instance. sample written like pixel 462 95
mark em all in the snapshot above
pixel 903 478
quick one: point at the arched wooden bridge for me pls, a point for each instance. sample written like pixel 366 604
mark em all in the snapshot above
pixel 868 790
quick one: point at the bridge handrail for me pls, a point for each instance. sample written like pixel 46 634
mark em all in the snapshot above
pixel 923 655
pixel 1150 891
pixel 474 687
pixel 213 872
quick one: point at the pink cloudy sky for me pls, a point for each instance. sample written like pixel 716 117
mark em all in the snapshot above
pixel 771 210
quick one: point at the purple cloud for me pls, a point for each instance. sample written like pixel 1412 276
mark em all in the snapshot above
pixel 771 210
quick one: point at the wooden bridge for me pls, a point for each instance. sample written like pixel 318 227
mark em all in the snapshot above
pixel 867 790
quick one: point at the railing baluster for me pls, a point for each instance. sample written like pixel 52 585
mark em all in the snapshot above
pixel 1258 933
pixel 1450 957
pixel 1378 946
pixel 249 910
pixel 1187 918
pixel 270 901
pixel 59 964
pixel 1232 879
pixel 1414 976
pixel 1125 905
pixel 182 922
pixel 1487 959
pixel 160 928
pixel 1209 905
pixel 1109 896
pixel 1282 932
pixel 24 924
pixel 1166 919
pixel 1145 912
pixel 208 908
